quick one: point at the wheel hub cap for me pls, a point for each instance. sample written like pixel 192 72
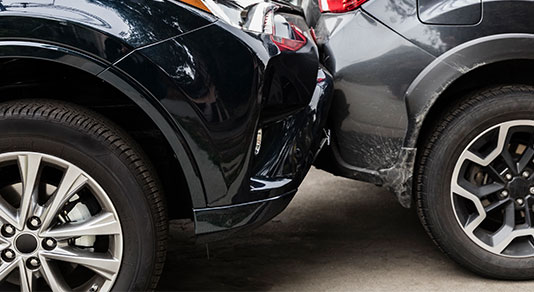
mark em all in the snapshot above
pixel 26 243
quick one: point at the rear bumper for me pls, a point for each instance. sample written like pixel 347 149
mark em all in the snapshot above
pixel 287 153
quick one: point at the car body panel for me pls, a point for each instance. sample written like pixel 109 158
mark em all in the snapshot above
pixel 433 57
pixel 365 85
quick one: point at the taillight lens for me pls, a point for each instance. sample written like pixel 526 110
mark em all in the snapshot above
pixel 339 5
pixel 284 34
pixel 297 41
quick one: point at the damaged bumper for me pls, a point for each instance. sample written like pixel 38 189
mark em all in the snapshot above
pixel 288 149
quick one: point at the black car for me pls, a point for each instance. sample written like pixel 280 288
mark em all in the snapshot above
pixel 434 99
pixel 116 115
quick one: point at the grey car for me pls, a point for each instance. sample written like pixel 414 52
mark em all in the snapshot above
pixel 434 99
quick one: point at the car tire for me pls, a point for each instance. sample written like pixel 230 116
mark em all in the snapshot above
pixel 474 168
pixel 116 194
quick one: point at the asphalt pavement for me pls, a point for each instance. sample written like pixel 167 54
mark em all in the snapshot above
pixel 336 235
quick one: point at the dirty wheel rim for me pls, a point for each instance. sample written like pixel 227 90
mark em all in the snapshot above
pixel 492 189
pixel 59 229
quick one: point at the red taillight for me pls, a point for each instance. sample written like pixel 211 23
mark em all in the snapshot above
pixel 285 44
pixel 339 5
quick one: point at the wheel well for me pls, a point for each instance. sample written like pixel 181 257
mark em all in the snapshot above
pixel 32 78
pixel 494 74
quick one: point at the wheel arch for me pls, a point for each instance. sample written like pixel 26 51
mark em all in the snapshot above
pixel 128 90
pixel 470 66
pixel 473 65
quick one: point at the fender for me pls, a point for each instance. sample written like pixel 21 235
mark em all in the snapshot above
pixel 104 29
pixel 142 98
pixel 447 68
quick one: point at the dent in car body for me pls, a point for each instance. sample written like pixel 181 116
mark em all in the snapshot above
pixel 280 166
pixel 368 116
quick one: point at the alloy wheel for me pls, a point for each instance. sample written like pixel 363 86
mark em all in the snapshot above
pixel 59 230
pixel 492 189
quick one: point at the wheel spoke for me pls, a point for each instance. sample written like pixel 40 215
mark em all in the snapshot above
pixel 29 165
pixel 501 142
pixel 489 189
pixel 502 238
pixel 101 263
pixel 525 159
pixel 475 222
pixel 72 181
pixel 528 217
pixel 474 158
pixel 8 214
pixel 57 284
pixel 27 279
pixel 6 269
pixel 494 174
pixel 101 224
pixel 3 243
pixel 496 205
pixel 510 163
pixel 485 190
pixel 516 167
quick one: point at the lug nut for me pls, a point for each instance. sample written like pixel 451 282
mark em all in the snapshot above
pixel 33 263
pixel 503 194
pixel 525 174
pixel 8 230
pixel 531 190
pixel 34 223
pixel 519 201
pixel 49 243
pixel 8 255
pixel 508 176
